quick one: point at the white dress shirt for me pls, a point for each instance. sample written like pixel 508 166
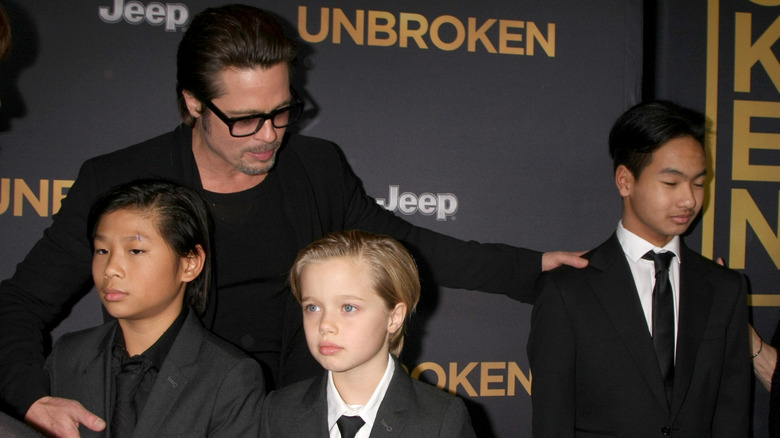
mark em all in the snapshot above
pixel 337 407
pixel 643 272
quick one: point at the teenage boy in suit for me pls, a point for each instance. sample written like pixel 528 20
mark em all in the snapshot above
pixel 155 371
pixel 629 347
pixel 356 289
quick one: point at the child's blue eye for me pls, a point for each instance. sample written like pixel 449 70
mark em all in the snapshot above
pixel 349 308
pixel 311 308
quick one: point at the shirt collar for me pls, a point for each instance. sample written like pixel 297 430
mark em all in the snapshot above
pixel 337 407
pixel 635 247
pixel 157 352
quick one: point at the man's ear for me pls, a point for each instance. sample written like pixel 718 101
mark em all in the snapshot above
pixel 194 106
pixel 192 264
pixel 624 180
pixel 397 317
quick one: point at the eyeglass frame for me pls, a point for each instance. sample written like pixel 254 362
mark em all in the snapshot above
pixel 230 121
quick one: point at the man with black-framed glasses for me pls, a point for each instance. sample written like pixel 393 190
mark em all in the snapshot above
pixel 270 192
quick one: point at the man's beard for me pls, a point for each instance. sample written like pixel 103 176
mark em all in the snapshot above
pixel 261 168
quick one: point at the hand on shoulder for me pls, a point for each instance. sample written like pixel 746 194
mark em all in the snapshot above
pixel 551 260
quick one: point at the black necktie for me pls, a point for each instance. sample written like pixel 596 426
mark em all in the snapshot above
pixel 349 426
pixel 126 385
pixel 663 318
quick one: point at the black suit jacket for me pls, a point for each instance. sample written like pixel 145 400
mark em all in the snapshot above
pixel 205 386
pixel 595 372
pixel 410 409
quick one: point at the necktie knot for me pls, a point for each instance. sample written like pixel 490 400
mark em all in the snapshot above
pixel 349 426
pixel 662 260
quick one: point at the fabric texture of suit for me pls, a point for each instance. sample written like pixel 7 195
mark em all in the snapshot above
pixel 12 428
pixel 410 409
pixel 595 371
pixel 321 194
pixel 205 386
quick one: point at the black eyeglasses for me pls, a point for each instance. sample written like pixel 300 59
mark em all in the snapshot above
pixel 245 126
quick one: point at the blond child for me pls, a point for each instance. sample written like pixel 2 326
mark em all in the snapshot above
pixel 356 290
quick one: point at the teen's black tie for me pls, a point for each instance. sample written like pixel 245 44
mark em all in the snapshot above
pixel 663 318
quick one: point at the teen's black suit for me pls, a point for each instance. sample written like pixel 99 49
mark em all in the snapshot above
pixel 594 368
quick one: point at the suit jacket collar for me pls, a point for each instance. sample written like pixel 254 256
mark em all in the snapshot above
pixel 614 286
pixel 390 420
pixel 399 398
pixel 312 419
pixel 695 304
pixel 100 367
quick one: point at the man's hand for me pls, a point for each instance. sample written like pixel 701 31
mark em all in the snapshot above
pixel 60 417
pixel 551 260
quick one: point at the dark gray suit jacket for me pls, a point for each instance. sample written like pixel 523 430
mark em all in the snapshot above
pixel 410 409
pixel 205 386
pixel 595 372
pixel 12 428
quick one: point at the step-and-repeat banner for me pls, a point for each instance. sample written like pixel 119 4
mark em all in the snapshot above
pixel 722 57
pixel 482 120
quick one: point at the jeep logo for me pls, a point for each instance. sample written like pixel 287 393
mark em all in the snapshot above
pixel 173 15
pixel 443 205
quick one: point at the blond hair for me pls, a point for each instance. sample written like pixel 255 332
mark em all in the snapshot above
pixel 394 275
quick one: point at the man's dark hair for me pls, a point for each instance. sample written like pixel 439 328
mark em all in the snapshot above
pixel 229 36
pixel 181 218
pixel 647 126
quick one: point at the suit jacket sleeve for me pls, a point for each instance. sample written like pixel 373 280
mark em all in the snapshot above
pixel 731 417
pixel 444 260
pixel 265 417
pixel 238 402
pixel 456 422
pixel 551 355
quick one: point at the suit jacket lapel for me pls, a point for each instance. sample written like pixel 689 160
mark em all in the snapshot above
pixel 100 393
pixel 695 305
pixel 615 288
pixel 179 366
pixel 312 419
pixel 390 420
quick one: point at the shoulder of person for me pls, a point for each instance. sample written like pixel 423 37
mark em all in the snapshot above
pixel 158 146
pixel 311 148
pixel 91 335
pixel 72 349
pixel 720 275
pixel 221 350
pixel 292 393
pixel 429 396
